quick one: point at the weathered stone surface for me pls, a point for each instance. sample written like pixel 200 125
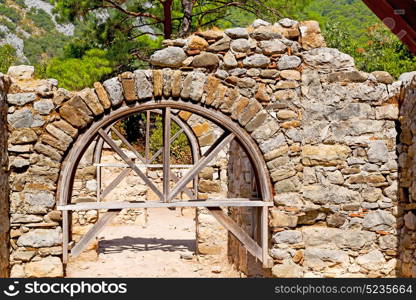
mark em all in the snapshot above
pixel 24 218
pixel 328 59
pixel 256 61
pixel 311 35
pixel 287 270
pixel 193 86
pixel 92 101
pixel 265 33
pixel 144 88
pixel 280 219
pixel 349 76
pixel 170 57
pixel 272 47
pixel 46 267
pixel 373 260
pixel 48 151
pixel 23 136
pixel 21 72
pixel 323 237
pixel 290 74
pixel 329 194
pixel 377 152
pixel 40 238
pixel 74 116
pixel 59 134
pixel 388 242
pixel 114 90
pixel 48 139
pixel 205 60
pixel 220 45
pixel 240 45
pixel 176 83
pixel 383 77
pixel 288 237
pixel 44 107
pixel 249 112
pixel 102 95
pixel 327 155
pixel 197 43
pixel 22 118
pixel 157 83
pixel 318 259
pixel 211 34
pixel 209 186
pixel 237 33
pixel 410 221
pixel 21 99
pixel 66 127
pixel 287 185
pixel 379 220
pixel 387 112
pixel 129 86
pixel 288 62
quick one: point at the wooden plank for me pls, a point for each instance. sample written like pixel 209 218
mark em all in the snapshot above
pixel 166 153
pixel 238 232
pixel 158 152
pixel 114 183
pixel 187 191
pixel 65 237
pixel 206 158
pixel 93 232
pixel 147 141
pixel 150 204
pixel 130 162
pixel 120 165
pixel 267 260
pixel 130 146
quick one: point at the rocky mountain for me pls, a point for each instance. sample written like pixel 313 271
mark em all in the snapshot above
pixel 31 27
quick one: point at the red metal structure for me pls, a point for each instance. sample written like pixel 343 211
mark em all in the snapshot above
pixel 399 16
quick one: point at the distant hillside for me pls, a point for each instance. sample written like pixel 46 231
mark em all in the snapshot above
pixel 32 29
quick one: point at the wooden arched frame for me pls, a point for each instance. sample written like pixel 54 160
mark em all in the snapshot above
pixel 231 131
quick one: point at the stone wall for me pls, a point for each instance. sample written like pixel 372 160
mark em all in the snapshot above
pixel 406 224
pixel 4 180
pixel 326 130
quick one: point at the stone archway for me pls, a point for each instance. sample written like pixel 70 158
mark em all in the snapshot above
pixel 326 131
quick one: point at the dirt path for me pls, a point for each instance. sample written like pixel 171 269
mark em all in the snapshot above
pixel 163 249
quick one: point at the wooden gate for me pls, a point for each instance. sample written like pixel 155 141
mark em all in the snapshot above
pixel 102 131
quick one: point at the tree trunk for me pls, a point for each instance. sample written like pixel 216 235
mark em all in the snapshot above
pixel 167 20
pixel 187 6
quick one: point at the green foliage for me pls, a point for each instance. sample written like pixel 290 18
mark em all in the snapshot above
pixel 7 57
pixel 21 3
pixel 180 150
pixel 39 49
pixel 351 27
pixel 11 26
pixel 41 19
pixel 77 73
pixel 10 12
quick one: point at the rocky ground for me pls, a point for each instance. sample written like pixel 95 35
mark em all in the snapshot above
pixel 165 248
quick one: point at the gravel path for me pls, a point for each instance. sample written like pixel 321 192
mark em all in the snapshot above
pixel 164 248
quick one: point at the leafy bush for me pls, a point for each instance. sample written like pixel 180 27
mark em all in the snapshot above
pixel 75 73
pixel 39 49
pixel 7 57
pixel 41 19
pixel 10 12
pixel 11 26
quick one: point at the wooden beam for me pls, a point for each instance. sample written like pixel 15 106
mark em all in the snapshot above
pixel 130 146
pixel 237 202
pixel 147 141
pixel 206 158
pixel 93 232
pixel 114 183
pixel 120 152
pixel 238 232
pixel 166 153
